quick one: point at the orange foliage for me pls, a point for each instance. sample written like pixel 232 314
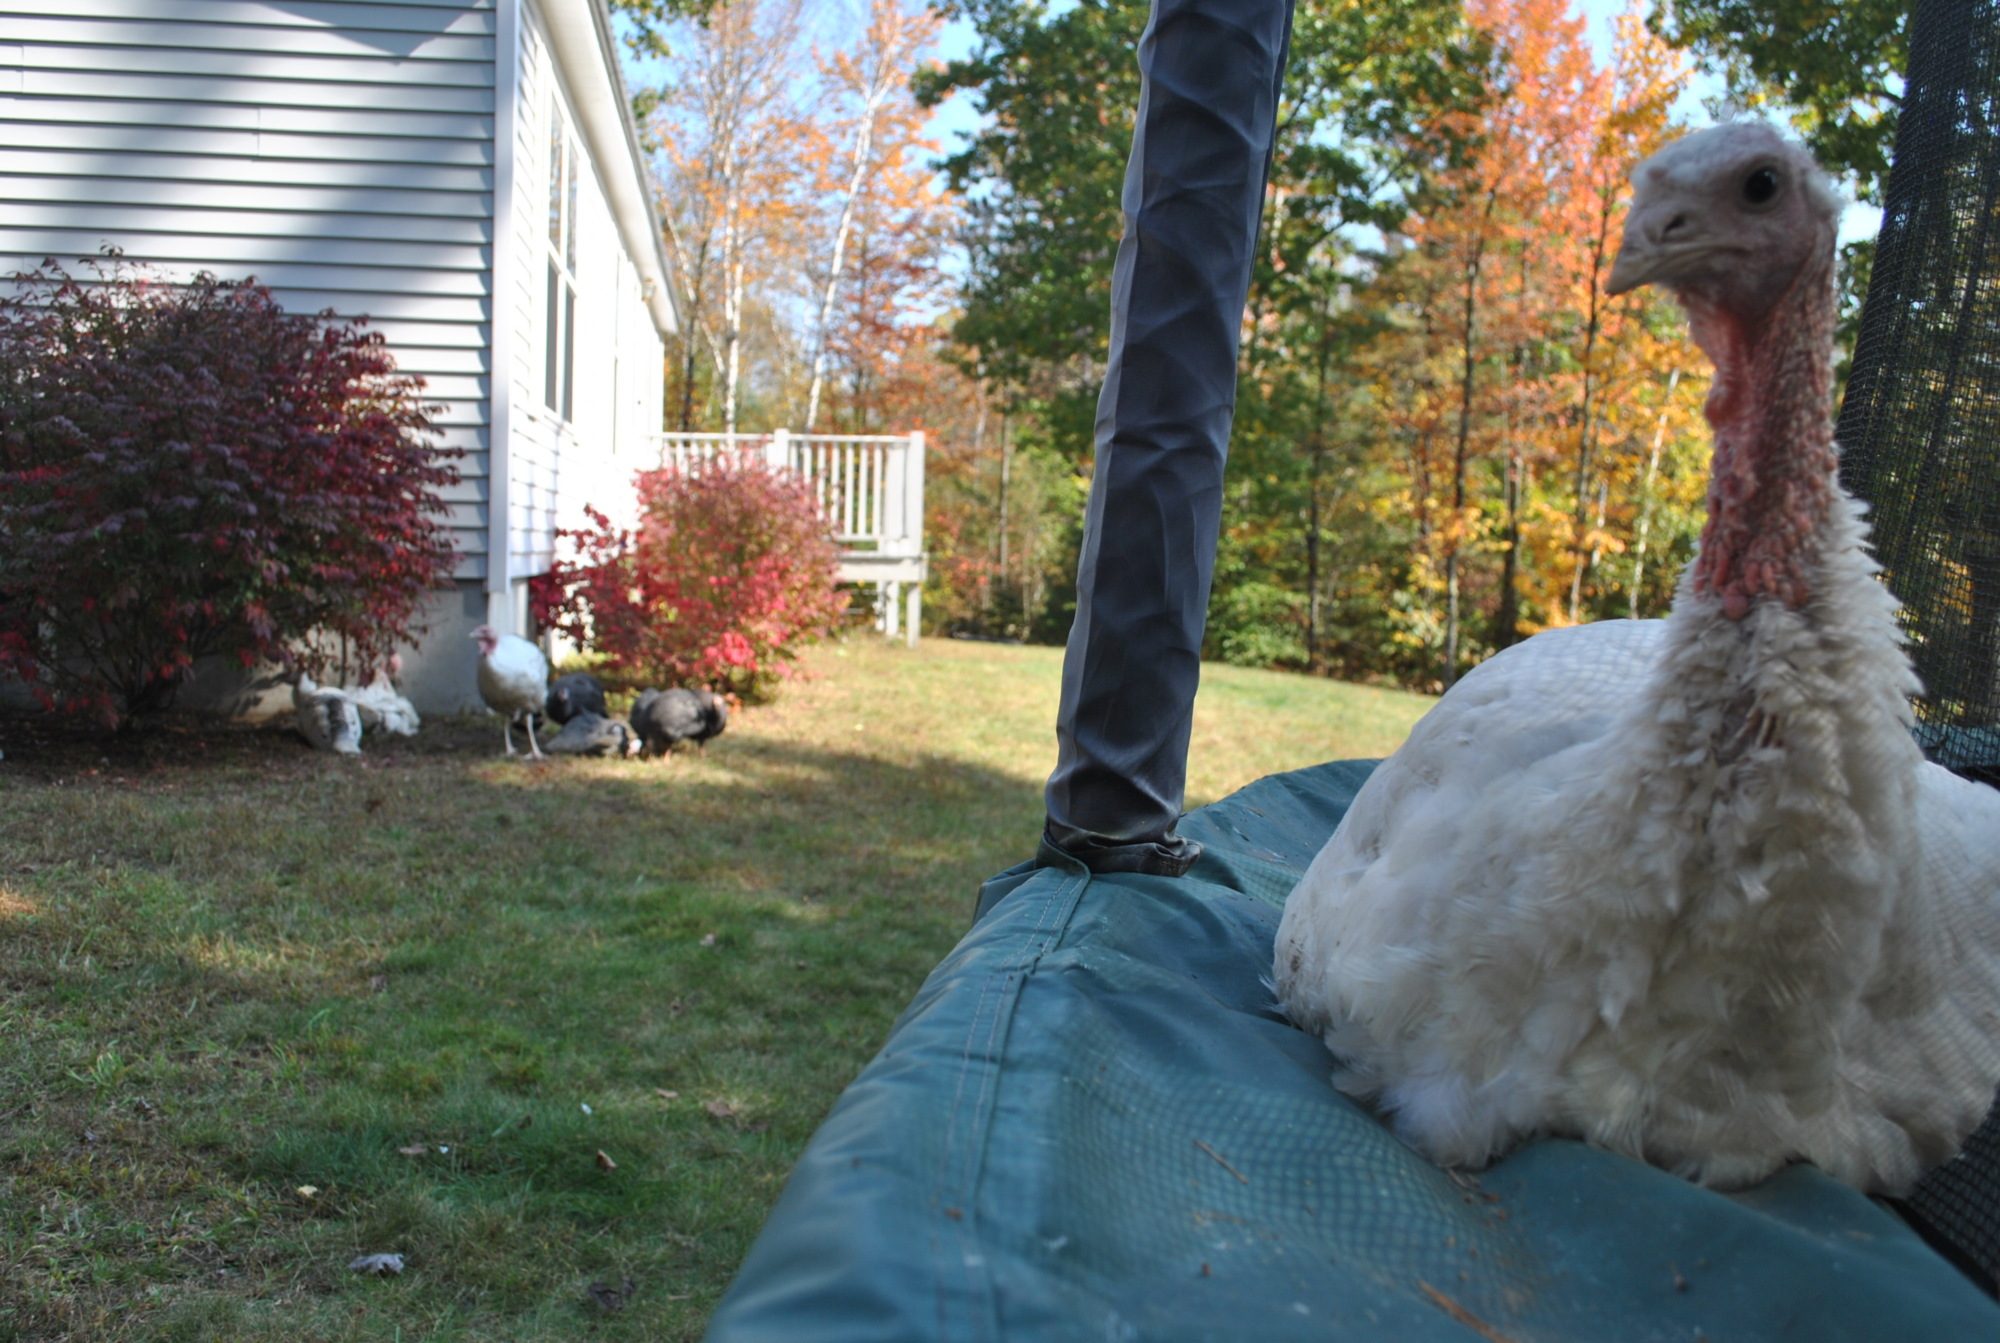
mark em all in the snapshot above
pixel 1527 399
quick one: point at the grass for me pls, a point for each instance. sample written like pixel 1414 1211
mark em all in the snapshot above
pixel 262 1011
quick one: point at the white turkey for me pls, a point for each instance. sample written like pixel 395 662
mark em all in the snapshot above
pixel 1683 888
pixel 382 706
pixel 326 717
pixel 514 682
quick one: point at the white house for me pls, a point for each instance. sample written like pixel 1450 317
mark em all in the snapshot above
pixel 465 173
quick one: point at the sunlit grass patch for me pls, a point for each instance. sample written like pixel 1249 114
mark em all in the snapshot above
pixel 431 986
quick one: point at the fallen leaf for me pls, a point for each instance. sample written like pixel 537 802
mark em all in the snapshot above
pixel 608 1297
pixel 414 1149
pixel 604 1161
pixel 586 1107
pixel 307 1191
pixel 665 1094
pixel 381 1265
pixel 708 939
pixel 378 983
pixel 720 1109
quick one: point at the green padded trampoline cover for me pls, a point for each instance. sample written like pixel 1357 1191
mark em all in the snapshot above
pixel 1092 1123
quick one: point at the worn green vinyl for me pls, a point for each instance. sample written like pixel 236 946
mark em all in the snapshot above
pixel 1093 1123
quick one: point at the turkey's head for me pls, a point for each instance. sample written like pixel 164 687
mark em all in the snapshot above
pixel 1728 218
pixel 487 640
pixel 1739 223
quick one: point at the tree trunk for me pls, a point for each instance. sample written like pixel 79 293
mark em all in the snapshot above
pixel 1463 449
pixel 1507 619
pixel 1646 496
pixel 1313 477
pixel 1006 477
pixel 1582 556
pixel 864 136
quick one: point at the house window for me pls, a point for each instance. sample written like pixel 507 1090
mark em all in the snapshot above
pixel 559 330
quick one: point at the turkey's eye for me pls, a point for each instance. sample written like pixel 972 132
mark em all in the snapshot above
pixel 1761 187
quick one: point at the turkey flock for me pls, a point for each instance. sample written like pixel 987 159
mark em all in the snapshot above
pixel 513 678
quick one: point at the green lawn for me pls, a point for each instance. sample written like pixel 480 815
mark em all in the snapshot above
pixel 537 1029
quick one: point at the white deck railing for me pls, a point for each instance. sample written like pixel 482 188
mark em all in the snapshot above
pixel 870 489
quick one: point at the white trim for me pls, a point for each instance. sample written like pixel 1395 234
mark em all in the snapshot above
pixel 580 38
pixel 500 342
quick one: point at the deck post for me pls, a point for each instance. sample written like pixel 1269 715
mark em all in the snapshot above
pixel 913 494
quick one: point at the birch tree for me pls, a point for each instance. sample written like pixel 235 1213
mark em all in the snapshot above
pixel 731 138
pixel 872 76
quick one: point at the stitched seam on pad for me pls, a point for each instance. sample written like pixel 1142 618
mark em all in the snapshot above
pixel 1007 982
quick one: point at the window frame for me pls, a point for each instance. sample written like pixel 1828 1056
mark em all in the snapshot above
pixel 564 168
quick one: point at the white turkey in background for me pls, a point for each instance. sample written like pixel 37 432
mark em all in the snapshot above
pixel 1683 888
pixel 514 682
pixel 326 717
pixel 382 707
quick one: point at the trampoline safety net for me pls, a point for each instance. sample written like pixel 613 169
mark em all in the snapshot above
pixel 1920 436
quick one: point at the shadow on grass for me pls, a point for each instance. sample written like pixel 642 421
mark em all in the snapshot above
pixel 432 988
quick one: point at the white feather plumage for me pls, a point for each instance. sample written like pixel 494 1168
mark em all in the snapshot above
pixel 1684 888
pixel 514 682
pixel 384 709
pixel 326 717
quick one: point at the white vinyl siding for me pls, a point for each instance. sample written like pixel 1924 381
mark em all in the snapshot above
pixel 562 464
pixel 340 152
pixel 344 153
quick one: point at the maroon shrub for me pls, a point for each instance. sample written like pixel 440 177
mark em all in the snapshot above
pixel 189 470
pixel 730 570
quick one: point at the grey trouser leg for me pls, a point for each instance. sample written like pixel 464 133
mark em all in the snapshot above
pixel 1194 191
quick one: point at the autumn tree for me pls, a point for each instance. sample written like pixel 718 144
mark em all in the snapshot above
pixel 647 23
pixel 731 140
pixel 883 198
pixel 1500 370
pixel 1837 69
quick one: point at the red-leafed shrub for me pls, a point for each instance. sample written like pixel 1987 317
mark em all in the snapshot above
pixel 189 470
pixel 728 573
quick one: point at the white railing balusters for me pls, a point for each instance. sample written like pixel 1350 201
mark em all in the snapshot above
pixel 870 491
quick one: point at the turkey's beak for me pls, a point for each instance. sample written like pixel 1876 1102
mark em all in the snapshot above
pixel 1664 240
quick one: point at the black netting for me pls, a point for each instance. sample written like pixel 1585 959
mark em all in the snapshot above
pixel 1920 428
pixel 1921 439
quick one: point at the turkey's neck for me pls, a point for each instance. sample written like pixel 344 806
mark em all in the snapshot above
pixel 1775 473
